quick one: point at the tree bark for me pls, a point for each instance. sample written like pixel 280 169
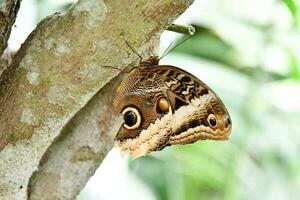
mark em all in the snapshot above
pixel 8 14
pixel 79 150
pixel 55 73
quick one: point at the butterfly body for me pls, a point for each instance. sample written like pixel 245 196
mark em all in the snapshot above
pixel 163 105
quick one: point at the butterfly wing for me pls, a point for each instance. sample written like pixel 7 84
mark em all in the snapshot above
pixel 198 113
pixel 163 105
pixel 138 96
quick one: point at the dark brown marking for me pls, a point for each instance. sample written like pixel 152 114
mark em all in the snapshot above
pixel 162 72
pixel 179 103
pixel 203 91
pixel 203 121
pixel 171 73
pixel 228 120
pixel 143 78
pixel 192 95
pixel 185 79
pixel 192 124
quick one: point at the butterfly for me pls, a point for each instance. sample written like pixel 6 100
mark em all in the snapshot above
pixel 163 105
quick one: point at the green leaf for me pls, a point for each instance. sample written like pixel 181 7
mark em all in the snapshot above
pixel 293 8
pixel 294 67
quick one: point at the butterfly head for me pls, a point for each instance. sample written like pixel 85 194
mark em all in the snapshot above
pixel 150 62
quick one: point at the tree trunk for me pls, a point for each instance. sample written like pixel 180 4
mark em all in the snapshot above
pixel 8 14
pixel 58 69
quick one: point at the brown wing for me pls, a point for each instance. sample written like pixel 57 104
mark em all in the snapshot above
pixel 198 113
pixel 141 90
pixel 182 86
pixel 195 112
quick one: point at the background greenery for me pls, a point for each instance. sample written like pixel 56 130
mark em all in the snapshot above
pixel 248 52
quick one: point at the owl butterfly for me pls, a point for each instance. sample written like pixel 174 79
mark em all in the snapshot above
pixel 163 105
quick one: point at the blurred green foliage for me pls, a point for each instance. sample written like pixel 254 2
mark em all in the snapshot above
pixel 293 8
pixel 207 44
pixel 294 66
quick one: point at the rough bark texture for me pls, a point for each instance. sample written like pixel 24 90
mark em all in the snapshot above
pixel 6 59
pixel 8 14
pixel 87 137
pixel 54 74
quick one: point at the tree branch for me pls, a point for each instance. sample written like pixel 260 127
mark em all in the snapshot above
pixel 57 70
pixel 79 150
pixel 8 14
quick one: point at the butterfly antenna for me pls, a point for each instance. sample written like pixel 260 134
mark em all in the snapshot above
pixel 111 67
pixel 132 49
pixel 166 52
pixel 121 70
